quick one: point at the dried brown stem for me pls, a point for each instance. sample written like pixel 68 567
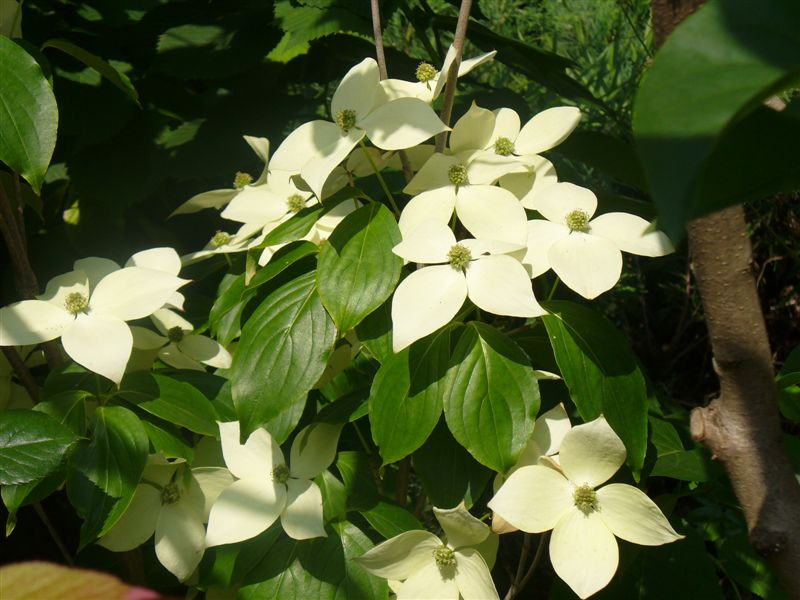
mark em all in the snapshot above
pixel 22 372
pixel 452 75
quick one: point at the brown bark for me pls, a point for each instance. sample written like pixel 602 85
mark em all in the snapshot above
pixel 741 426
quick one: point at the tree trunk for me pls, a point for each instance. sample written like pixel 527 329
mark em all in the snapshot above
pixel 741 426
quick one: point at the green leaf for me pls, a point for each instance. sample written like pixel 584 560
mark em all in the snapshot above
pixel 706 82
pixel 357 270
pixel 491 396
pixel 68 408
pixel 375 332
pixel 334 497
pixel 741 563
pixel 28 114
pixel 32 445
pixel 405 401
pixel 320 568
pixel 104 473
pixel 672 460
pixel 359 480
pixel 23 494
pixel 301 223
pixel 282 353
pixel 174 401
pixel 448 472
pixel 167 439
pixel 389 519
pixel 106 70
pixel 601 372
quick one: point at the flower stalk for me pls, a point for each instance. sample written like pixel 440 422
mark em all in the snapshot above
pixel 452 75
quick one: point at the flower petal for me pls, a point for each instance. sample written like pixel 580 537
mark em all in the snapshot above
pixel 591 453
pixel 506 125
pixel 180 538
pixel 432 175
pixel 257 204
pixel 137 523
pixel 400 88
pixel 632 516
pixel 331 148
pixel 144 339
pixel 205 350
pixel 550 428
pixel 500 285
pixel 314 449
pixel 533 498
pixel 210 199
pixel 256 458
pixel 542 234
pixel 486 167
pixel 460 527
pixel 401 556
pixel 587 264
pixel 133 292
pixel 631 234
pixel 436 204
pixel 526 186
pixel 402 123
pixel 358 90
pixel 165 319
pixel 429 583
pixel 547 129
pixel 470 63
pixel 244 509
pixel 61 286
pixel 473 130
pixel 259 145
pixel 95 268
pixel 425 301
pixel 493 213
pixel 302 517
pixel 159 259
pixel 428 243
pixel 473 577
pixel 100 343
pixel 556 201
pixel 171 354
pixel 297 149
pixel 31 322
pixel 583 552
pixel 211 481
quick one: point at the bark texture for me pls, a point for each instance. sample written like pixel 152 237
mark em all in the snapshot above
pixel 741 426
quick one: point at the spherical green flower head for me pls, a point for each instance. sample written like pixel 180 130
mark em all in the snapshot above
pixel 346 119
pixel 503 146
pixel 457 174
pixel 444 556
pixel 585 499
pixel 220 239
pixel 76 303
pixel 170 493
pixel 175 334
pixel 578 220
pixel 295 203
pixel 459 257
pixel 280 474
pixel 241 179
pixel 425 72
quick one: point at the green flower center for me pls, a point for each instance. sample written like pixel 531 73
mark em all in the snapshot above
pixel 346 119
pixel 175 334
pixel 457 174
pixel 503 146
pixel 170 494
pixel 585 498
pixel 444 556
pixel 241 179
pixel 459 256
pixel 280 474
pixel 76 303
pixel 425 72
pixel 220 239
pixel 295 203
pixel 578 220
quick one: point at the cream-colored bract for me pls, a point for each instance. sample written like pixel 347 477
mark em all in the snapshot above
pixel 88 309
pixel 585 252
pixel 585 518
pixel 428 567
pixel 267 488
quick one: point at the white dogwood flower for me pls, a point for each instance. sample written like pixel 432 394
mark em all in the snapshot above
pixel 585 252
pixel 88 309
pixel 478 269
pixel 171 502
pixel 267 488
pixel 542 132
pixel 431 568
pixel 584 517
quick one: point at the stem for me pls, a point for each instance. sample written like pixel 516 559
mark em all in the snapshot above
pixel 536 559
pixel 53 533
pixel 452 75
pixel 553 289
pixel 420 504
pixel 523 558
pixel 380 179
pixel 403 476
pixel 22 371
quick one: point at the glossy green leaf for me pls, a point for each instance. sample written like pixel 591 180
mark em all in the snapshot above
pixel 389 519
pixel 167 439
pixel 68 408
pixel 334 498
pixel 375 332
pixel 104 473
pixel 174 401
pixel 302 222
pixel 359 480
pixel 319 568
pixel 448 472
pixel 282 353
pixel 32 445
pixel 405 401
pixel 491 396
pixel 693 111
pixel 28 114
pixel 107 70
pixel 672 460
pixel 23 494
pixel 601 372
pixel 357 271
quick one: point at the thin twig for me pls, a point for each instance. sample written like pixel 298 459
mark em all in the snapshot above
pixel 452 74
pixel 22 371
pixel 403 476
pixel 420 504
pixel 536 559
pixel 385 187
pixel 53 533
pixel 523 559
